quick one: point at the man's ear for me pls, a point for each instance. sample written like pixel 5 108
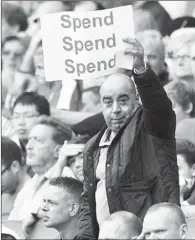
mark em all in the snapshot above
pixel 189 108
pixel 73 209
pixel 56 151
pixel 183 231
pixel 193 170
pixel 15 167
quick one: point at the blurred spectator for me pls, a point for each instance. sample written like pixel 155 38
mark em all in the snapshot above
pixel 61 206
pixel 13 50
pixel 178 49
pixel 160 15
pixel 13 176
pixel 51 90
pixel 45 141
pixel 143 20
pixel 120 225
pixel 26 111
pixel 14 19
pixel 12 53
pixel 91 99
pixel 186 165
pixel 182 98
pixel 186 130
pixel 85 6
pixel 43 8
pixel 193 59
pixel 154 50
pixel 164 221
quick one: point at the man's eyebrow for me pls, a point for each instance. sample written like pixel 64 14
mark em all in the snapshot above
pixel 124 95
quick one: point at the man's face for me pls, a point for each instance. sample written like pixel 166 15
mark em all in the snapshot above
pixel 155 57
pixel 24 118
pixel 181 63
pixel 160 225
pixel 12 55
pixel 56 203
pixel 193 59
pixel 180 112
pixel 77 167
pixel 118 101
pixel 185 170
pixel 9 179
pixel 40 146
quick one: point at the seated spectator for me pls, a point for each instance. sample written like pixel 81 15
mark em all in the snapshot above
pixel 85 6
pixel 159 14
pixel 14 20
pixel 120 225
pixel 43 8
pixel 61 205
pixel 26 111
pixel 13 50
pixel 91 100
pixel 154 50
pixel 186 165
pixel 182 98
pixel 13 176
pixel 143 20
pixel 45 140
pixel 164 221
pixel 186 130
pixel 178 50
pixel 76 162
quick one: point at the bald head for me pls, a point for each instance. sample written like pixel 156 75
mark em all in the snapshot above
pixel 116 81
pixel 120 225
pixel 171 211
pixel 164 221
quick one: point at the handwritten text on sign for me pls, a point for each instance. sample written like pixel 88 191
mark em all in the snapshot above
pixel 85 45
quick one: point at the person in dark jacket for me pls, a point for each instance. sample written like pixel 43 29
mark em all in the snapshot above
pixel 131 163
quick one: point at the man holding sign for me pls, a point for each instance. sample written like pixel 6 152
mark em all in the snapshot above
pixel 130 164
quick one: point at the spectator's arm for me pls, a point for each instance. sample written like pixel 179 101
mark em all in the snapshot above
pixel 70 117
pixel 159 118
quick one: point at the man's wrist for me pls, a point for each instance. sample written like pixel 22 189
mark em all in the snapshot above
pixel 140 70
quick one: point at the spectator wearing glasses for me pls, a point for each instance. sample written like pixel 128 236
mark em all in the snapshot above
pixel 61 205
pixel 178 49
pixel 13 176
pixel 25 113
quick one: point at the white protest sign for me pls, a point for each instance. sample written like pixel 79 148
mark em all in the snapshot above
pixel 86 45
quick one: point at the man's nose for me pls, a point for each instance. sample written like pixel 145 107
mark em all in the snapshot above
pixel 29 145
pixel 116 108
pixel 44 207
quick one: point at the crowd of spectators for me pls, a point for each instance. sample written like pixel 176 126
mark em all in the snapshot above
pixel 43 141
